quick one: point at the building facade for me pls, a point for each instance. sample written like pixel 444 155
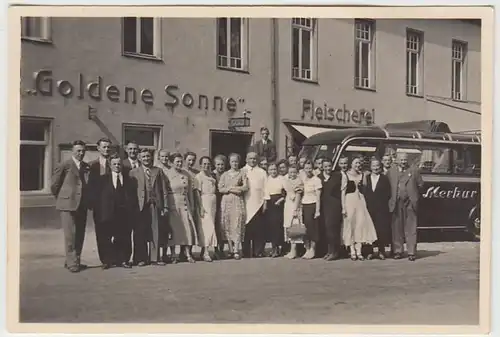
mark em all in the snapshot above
pixel 185 84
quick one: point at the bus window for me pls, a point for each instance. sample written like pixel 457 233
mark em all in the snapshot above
pixel 366 149
pixel 467 160
pixel 312 152
pixel 428 158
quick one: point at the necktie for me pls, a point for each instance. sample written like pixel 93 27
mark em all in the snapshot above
pixel 107 167
pixel 118 182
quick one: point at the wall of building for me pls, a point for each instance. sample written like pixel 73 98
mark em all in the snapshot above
pixel 335 84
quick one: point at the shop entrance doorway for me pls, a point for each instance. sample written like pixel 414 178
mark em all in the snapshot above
pixel 227 142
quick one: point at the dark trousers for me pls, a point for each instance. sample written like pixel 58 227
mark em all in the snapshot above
pixel 333 237
pixel 147 236
pixel 404 227
pixel 255 235
pixel 73 225
pixel 113 238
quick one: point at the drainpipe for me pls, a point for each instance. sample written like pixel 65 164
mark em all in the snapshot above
pixel 274 82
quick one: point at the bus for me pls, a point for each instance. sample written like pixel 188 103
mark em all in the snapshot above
pixel 449 163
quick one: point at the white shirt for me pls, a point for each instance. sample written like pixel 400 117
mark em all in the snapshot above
pixel 274 186
pixel 374 177
pixel 264 141
pixel 311 186
pixel 133 163
pixel 102 162
pixel 254 197
pixel 115 176
pixel 77 163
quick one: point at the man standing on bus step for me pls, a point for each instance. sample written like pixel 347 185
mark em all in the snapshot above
pixel 265 148
pixel 406 183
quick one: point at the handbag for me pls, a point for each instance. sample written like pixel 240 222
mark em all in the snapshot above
pixel 297 229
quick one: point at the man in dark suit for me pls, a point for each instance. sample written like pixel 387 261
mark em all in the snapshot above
pixel 132 160
pixel 114 207
pixel 386 163
pixel 98 169
pixel 70 187
pixel 265 148
pixel 331 206
pixel 377 194
pixel 406 183
pixel 151 187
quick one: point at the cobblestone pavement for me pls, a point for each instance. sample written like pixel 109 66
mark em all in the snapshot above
pixel 442 287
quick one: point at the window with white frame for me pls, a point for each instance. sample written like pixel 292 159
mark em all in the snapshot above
pixel 303 48
pixel 35 155
pixel 414 62
pixel 142 36
pixel 364 54
pixel 147 137
pixel 232 43
pixel 35 28
pixel 458 58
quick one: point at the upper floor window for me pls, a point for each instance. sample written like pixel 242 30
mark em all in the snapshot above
pixel 35 155
pixel 414 62
pixel 304 48
pixel 364 54
pixel 232 43
pixel 458 78
pixel 142 37
pixel 35 28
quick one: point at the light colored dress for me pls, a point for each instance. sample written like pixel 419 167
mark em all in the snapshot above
pixel 233 210
pixel 207 186
pixel 290 187
pixel 181 207
pixel 358 226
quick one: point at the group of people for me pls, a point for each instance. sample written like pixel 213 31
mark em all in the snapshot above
pixel 148 213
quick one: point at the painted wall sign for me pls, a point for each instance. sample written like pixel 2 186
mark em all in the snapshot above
pixel 343 115
pixel 452 193
pixel 172 96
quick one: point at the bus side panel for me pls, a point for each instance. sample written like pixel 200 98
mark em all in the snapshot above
pixel 447 203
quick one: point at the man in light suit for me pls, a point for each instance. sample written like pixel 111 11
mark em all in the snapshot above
pixel 265 148
pixel 406 183
pixel 151 186
pixel 70 187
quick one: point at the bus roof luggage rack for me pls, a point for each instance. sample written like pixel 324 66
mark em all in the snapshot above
pixel 422 126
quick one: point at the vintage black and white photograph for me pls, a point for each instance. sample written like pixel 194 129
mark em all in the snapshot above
pixel 283 169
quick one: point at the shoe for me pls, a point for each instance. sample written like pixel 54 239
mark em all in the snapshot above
pixel 369 257
pixel 190 259
pixel 207 258
pixel 105 266
pixel 412 258
pixel 237 256
pixel 361 258
pixel 141 264
pixel 381 256
pixel 397 256
pixel 74 269
pixel 126 265
pixel 159 263
pixel 354 257
pixel 327 257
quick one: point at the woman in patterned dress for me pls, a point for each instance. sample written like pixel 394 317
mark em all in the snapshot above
pixel 190 161
pixel 207 187
pixel 232 185
pixel 181 208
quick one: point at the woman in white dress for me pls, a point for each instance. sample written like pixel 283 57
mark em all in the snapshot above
pixel 358 227
pixel 294 187
pixel 206 185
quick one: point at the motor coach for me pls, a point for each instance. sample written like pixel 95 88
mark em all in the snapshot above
pixel 450 165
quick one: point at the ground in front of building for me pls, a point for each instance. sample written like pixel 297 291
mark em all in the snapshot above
pixel 442 287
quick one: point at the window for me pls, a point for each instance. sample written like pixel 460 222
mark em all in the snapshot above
pixel 364 149
pixel 304 44
pixel 35 155
pixel 467 160
pixel 36 28
pixel 142 37
pixel 414 62
pixel 147 137
pixel 232 43
pixel 364 54
pixel 458 57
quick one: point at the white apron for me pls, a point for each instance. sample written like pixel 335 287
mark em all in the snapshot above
pixel 254 197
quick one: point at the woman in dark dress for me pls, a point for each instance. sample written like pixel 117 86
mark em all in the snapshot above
pixel 377 194
pixel 331 206
pixel 275 198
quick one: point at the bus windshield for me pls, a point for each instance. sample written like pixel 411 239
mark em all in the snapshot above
pixel 315 151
